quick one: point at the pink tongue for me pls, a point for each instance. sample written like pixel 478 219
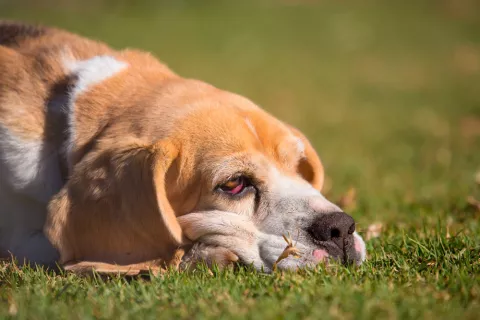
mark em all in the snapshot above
pixel 320 255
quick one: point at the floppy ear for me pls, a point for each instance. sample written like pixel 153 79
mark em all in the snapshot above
pixel 162 156
pixel 114 208
pixel 310 167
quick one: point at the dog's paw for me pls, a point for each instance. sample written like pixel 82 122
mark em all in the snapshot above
pixel 208 254
pixel 88 268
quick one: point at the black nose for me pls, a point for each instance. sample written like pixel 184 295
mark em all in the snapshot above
pixel 333 227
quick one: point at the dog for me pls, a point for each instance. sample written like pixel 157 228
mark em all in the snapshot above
pixel 109 160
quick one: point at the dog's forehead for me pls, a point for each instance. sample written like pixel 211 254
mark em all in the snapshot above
pixel 227 125
pixel 215 126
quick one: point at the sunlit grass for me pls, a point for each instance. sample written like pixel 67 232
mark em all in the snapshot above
pixel 388 92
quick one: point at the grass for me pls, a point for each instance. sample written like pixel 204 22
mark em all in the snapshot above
pixel 389 95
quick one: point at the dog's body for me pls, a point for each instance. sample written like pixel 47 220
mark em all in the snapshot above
pixel 109 157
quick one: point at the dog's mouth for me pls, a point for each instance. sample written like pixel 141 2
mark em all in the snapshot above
pixel 347 250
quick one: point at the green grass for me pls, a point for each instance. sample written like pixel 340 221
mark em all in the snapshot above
pixel 389 94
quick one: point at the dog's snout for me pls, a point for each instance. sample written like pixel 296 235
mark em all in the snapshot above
pixel 333 227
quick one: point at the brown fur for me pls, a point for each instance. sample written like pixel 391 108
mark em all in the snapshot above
pixel 146 141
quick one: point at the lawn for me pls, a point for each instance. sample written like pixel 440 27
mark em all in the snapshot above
pixel 389 94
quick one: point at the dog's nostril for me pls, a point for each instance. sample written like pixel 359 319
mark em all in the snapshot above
pixel 351 230
pixel 332 227
pixel 335 233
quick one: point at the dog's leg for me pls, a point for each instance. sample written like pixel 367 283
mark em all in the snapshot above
pixel 91 267
pixel 222 237
pixel 21 223
pixel 208 254
pixel 29 177
pixel 37 250
pixel 156 266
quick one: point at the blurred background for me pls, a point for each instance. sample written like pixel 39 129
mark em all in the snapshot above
pixel 388 91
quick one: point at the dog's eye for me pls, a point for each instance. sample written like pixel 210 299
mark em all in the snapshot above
pixel 235 185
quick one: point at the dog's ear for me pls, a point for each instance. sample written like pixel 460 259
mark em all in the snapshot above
pixel 310 167
pixel 158 158
pixel 114 208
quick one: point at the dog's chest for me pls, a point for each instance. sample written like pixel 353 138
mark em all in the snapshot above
pixel 33 135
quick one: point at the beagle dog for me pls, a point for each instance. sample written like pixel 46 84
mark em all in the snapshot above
pixel 109 161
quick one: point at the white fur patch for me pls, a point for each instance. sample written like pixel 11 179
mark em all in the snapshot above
pixel 289 186
pixel 29 167
pixel 292 188
pixel 89 73
pixel 93 71
pixel 360 246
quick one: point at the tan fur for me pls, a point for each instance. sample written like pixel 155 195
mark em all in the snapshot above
pixel 149 146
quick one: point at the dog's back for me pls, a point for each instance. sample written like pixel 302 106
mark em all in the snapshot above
pixel 12 33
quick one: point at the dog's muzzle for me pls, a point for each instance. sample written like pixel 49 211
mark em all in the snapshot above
pixel 334 234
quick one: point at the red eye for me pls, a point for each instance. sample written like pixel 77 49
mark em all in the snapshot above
pixel 234 186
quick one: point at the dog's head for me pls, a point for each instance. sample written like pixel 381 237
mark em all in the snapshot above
pixel 244 180
pixel 215 168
